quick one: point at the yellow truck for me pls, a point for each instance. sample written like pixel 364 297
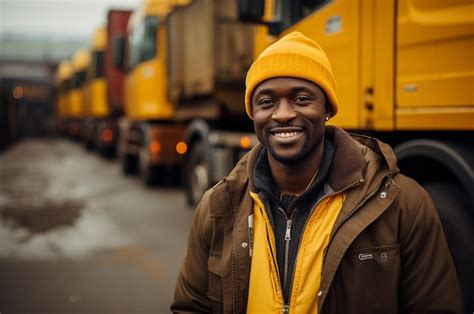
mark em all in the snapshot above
pixel 405 74
pixel 76 105
pixel 105 86
pixel 96 90
pixel 186 63
pixel 63 79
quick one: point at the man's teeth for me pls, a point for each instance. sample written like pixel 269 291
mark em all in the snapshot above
pixel 287 134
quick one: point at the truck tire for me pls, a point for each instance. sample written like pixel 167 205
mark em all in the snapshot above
pixel 458 224
pixel 97 141
pixel 197 174
pixel 128 163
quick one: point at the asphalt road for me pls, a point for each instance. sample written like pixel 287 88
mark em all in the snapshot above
pixel 77 236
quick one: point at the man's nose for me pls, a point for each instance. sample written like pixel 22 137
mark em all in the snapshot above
pixel 284 112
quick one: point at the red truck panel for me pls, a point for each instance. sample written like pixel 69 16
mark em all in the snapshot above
pixel 117 21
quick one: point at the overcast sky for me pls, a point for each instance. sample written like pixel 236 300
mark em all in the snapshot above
pixel 56 18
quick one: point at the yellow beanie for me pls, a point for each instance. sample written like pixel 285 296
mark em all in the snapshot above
pixel 294 55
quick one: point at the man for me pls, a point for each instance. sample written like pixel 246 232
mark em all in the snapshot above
pixel 313 219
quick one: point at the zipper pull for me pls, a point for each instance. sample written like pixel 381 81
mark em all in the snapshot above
pixel 250 229
pixel 286 309
pixel 288 230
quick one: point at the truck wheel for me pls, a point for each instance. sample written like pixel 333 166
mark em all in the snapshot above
pixel 128 162
pixel 148 174
pixel 88 145
pixel 197 178
pixel 97 139
pixel 454 211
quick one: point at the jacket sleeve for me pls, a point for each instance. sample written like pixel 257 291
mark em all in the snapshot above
pixel 191 287
pixel 429 282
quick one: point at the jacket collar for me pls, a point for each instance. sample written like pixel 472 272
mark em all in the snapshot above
pixel 357 159
pixel 348 164
pixel 263 180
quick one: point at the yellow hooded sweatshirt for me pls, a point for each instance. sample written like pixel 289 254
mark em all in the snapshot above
pixel 265 291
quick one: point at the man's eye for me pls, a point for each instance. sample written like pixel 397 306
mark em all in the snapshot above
pixel 302 99
pixel 266 102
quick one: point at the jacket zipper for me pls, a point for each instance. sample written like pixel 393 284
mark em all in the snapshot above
pixel 299 244
pixel 304 228
pixel 287 250
pixel 288 236
pixel 289 222
pixel 286 307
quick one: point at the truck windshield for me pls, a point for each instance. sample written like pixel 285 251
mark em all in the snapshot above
pixel 290 12
pixel 142 44
pixel 63 87
pixel 97 68
pixel 67 84
pixel 79 79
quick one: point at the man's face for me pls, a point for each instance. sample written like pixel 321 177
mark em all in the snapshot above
pixel 289 118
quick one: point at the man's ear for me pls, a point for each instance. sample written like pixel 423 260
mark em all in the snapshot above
pixel 328 109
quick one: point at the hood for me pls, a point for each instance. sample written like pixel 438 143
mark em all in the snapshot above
pixel 359 160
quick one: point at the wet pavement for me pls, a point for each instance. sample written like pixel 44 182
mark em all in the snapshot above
pixel 77 236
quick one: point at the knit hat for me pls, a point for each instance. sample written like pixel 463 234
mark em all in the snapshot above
pixel 294 55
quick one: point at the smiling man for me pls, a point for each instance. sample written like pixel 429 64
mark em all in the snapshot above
pixel 313 219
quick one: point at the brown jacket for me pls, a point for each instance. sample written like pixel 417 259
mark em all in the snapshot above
pixel 387 252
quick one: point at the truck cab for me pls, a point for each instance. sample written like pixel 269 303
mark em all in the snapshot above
pixel 96 89
pixel 80 64
pixel 62 86
pixel 184 89
pixel 152 141
pixel 65 72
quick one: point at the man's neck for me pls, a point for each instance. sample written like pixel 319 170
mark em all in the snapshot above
pixel 294 178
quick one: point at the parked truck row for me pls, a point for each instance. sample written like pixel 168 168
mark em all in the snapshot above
pixel 165 84
pixel 162 94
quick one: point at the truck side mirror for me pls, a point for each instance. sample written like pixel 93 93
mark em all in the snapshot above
pixel 251 10
pixel 118 54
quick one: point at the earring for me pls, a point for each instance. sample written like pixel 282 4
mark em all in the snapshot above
pixel 327 118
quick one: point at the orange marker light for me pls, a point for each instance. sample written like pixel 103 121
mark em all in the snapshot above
pixel 245 142
pixel 155 147
pixel 17 92
pixel 107 135
pixel 181 148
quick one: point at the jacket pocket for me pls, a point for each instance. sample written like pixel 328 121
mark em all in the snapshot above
pixel 214 280
pixel 368 276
